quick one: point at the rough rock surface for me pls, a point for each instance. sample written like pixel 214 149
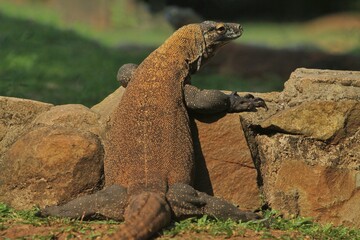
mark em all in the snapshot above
pixel 48 154
pixel 321 120
pixel 50 165
pixel 106 107
pixel 300 157
pixel 225 166
pixel 308 150
pixel 16 116
pixel 74 116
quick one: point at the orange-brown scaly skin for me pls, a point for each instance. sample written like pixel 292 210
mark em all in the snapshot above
pixel 149 150
pixel 149 143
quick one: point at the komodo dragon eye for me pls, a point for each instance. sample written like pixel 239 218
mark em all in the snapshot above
pixel 220 28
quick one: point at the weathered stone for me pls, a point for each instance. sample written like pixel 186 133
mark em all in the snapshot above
pixel 74 116
pixel 107 106
pixel 306 177
pixel 3 130
pixel 229 172
pixel 50 165
pixel 15 117
pixel 318 119
pixel 315 84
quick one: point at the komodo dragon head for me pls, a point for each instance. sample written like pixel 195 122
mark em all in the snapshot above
pixel 196 43
pixel 217 35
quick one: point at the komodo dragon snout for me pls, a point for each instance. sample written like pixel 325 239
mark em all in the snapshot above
pixel 149 161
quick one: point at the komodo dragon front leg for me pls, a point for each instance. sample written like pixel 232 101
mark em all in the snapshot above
pixel 203 101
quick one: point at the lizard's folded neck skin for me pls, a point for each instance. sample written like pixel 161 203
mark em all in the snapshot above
pixel 186 47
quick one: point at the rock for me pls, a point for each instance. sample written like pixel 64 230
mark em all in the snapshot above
pixel 318 119
pixel 50 165
pixel 16 116
pixel 314 84
pixel 308 151
pixel 74 116
pixel 225 166
pixel 106 107
pixel 307 177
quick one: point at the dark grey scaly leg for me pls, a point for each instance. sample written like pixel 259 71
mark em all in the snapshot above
pixel 215 101
pixel 108 203
pixel 186 202
pixel 203 101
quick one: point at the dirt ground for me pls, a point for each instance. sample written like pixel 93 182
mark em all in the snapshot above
pixel 97 231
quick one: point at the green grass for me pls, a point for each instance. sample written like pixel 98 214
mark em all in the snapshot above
pixel 272 226
pixel 281 35
pixel 42 63
pixel 125 28
pixel 10 218
pixel 296 228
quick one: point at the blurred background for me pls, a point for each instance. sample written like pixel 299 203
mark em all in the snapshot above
pixel 69 51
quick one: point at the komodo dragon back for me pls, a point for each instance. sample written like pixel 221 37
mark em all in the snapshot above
pixel 149 144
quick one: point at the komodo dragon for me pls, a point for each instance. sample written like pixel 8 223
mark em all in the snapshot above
pixel 149 162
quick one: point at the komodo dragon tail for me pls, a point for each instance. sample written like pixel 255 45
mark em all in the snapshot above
pixel 146 214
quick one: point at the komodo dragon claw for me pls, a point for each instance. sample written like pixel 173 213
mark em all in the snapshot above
pixel 245 103
pixel 186 202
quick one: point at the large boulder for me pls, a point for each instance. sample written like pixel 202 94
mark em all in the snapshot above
pixel 48 154
pixel 308 150
pixel 50 165
pixel 225 167
pixel 74 116
pixel 322 120
pixel 307 177
pixel 16 115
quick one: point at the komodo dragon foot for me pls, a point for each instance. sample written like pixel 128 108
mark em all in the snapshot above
pixel 112 202
pixel 109 203
pixel 186 202
pixel 245 103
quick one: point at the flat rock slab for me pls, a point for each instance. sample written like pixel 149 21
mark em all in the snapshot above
pixel 224 163
pixel 317 119
pixel 307 177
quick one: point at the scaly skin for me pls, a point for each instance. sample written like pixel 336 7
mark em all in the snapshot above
pixel 149 160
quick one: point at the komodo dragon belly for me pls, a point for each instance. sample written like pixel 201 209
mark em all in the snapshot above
pixel 152 145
